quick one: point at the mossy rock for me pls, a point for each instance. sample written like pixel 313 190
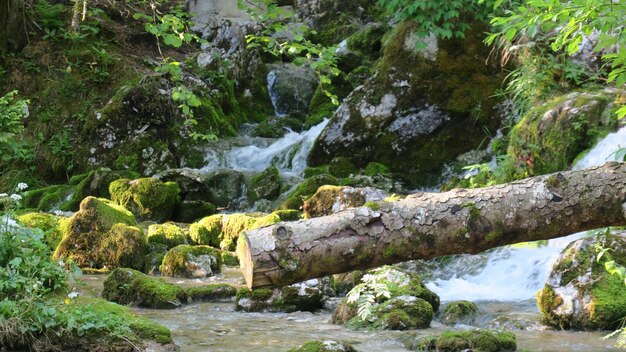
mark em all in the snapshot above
pixel 147 198
pixel 314 171
pixel 192 261
pixel 332 199
pixel 477 340
pixel 223 230
pixel 305 190
pixel 131 287
pixel 153 263
pixel 306 296
pixel 440 98
pixel 458 311
pixel 550 136
pixel 580 293
pixel 398 313
pixel 226 187
pixel 169 234
pixel 324 346
pixel 341 167
pixel 265 185
pixel 48 198
pixel 212 293
pixel 100 235
pixel 47 223
pixel 230 258
pixel 343 283
pixel 288 214
pixel 373 168
pixel 368 41
pixel 94 183
pixel 189 211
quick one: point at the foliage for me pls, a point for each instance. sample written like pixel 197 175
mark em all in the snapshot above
pixel 285 39
pixel 367 293
pixel 571 22
pixel 12 111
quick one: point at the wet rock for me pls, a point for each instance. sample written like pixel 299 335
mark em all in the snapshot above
pixel 472 340
pixel 147 198
pixel 212 293
pixel 407 110
pixel 130 287
pixel 193 184
pixel 265 185
pixel 332 199
pixel 341 167
pixel 580 293
pixel 192 261
pixel 343 283
pixel 169 234
pixel 291 88
pixel 458 312
pixel 324 346
pixel 102 235
pixel 227 188
pixel 305 296
pixel 550 136
pixel 295 199
pixel 189 211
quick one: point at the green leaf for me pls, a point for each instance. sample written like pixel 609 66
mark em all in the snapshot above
pixel 173 40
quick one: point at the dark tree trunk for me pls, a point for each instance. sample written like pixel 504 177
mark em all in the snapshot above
pixel 429 225
pixel 12 30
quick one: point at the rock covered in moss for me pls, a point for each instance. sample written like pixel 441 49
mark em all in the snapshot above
pixel 341 167
pixel 291 88
pixel 472 340
pixel 332 199
pixel 212 293
pixel 324 346
pixel 48 198
pixel 169 234
pixel 409 305
pixel 226 187
pixel 305 296
pixel 192 261
pixel 131 287
pixel 288 214
pixel 47 223
pixel 230 258
pixel 550 136
pixel 265 185
pixel 148 198
pixel 189 211
pixel 458 311
pixel 306 189
pixel 193 185
pixel 94 183
pixel 102 234
pixel 343 283
pixel 410 107
pixel 579 293
pixel 223 230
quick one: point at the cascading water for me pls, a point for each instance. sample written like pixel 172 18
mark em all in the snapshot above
pixel 288 153
pixel 515 272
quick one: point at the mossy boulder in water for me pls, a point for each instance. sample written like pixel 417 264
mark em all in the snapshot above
pixel 323 346
pixel 410 305
pixel 305 296
pixel 222 230
pixel 420 109
pixel 48 198
pixel 458 311
pixel 47 223
pixel 148 198
pixel 550 136
pixel 169 234
pixel 341 167
pixel 131 287
pixel 212 293
pixel 265 185
pixel 192 261
pixel 472 340
pixel 102 234
pixel 332 199
pixel 306 189
pixel 580 293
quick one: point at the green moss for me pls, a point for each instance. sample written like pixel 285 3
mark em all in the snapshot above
pixel 373 168
pixel 47 223
pixel 230 258
pixel 477 340
pixel 288 215
pixel 314 171
pixel 261 294
pixel 211 293
pixel 455 311
pixel 323 346
pixel 373 205
pixel 48 198
pixel 191 210
pixel 341 167
pixel 168 234
pixel 192 261
pixel 265 185
pixel 305 190
pixel 101 234
pixel 127 286
pixel 207 231
pixel 147 198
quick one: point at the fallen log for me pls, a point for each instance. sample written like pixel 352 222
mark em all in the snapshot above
pixel 429 225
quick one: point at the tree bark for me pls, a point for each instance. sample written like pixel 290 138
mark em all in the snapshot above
pixel 429 225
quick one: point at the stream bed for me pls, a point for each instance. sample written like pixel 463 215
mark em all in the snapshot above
pixel 217 327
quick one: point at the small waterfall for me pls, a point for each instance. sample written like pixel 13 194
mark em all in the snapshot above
pixel 288 153
pixel 514 273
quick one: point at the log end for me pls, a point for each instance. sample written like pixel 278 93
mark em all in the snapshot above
pixel 245 259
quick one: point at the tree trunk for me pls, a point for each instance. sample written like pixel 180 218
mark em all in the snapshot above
pixel 429 225
pixel 12 30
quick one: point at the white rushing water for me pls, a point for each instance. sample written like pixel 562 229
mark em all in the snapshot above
pixel 518 272
pixel 288 153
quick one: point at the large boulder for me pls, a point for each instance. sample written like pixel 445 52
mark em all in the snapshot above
pixel 101 235
pixel 472 340
pixel 421 108
pixel 192 261
pixel 291 88
pixel 550 136
pixel 148 198
pixel 265 185
pixel 222 230
pixel 580 293
pixel 168 234
pixel 47 223
pixel 130 287
pixel 227 188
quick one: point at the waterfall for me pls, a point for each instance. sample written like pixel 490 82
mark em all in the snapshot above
pixel 515 272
